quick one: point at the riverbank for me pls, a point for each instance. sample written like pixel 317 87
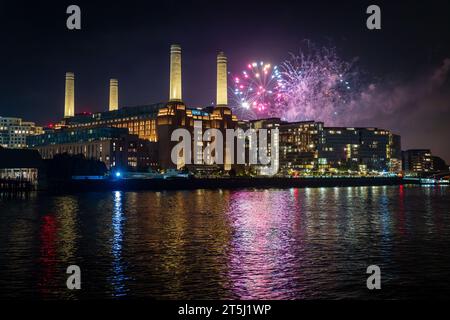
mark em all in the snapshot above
pixel 220 183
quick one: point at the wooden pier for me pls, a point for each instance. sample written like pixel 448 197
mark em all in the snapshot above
pixel 16 185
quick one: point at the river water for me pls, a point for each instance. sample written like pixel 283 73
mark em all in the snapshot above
pixel 312 243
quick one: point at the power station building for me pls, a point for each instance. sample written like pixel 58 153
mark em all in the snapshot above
pixel 303 146
pixel 155 122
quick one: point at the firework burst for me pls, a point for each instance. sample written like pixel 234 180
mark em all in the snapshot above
pixel 254 90
pixel 315 85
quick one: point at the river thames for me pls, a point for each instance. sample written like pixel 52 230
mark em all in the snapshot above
pixel 311 243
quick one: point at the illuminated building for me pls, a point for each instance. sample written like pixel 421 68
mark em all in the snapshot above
pixel 417 161
pixel 13 132
pixel 113 94
pixel 341 148
pixel 20 164
pixel 156 122
pixel 306 146
pixel 175 73
pixel 222 75
pixel 395 153
pixel 140 120
pixel 69 104
pixel 374 150
pixel 310 146
pixel 269 125
pixel 301 145
pixel 362 149
pixel 176 115
pixel 113 146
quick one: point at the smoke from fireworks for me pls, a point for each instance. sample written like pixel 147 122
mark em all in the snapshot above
pixel 315 85
pixel 254 91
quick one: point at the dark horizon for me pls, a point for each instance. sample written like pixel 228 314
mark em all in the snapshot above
pixel 132 44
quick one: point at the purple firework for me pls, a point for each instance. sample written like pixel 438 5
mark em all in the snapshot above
pixel 315 85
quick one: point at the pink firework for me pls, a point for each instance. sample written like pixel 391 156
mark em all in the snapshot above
pixel 254 90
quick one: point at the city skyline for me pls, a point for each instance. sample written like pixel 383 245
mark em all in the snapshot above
pixel 232 158
pixel 141 65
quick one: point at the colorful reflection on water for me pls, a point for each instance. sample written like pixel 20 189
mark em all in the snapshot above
pixel 224 244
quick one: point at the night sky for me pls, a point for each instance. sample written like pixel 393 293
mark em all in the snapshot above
pixel 130 41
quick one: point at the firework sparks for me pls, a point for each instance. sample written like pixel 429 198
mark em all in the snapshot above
pixel 315 85
pixel 254 90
